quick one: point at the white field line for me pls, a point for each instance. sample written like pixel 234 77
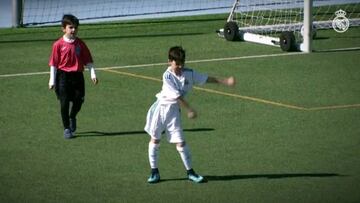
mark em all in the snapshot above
pixel 161 64
pixel 213 91
pixel 254 99
pixel 206 60
pixel 22 74
pixel 193 61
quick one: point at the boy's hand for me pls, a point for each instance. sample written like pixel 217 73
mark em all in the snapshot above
pixel 95 81
pixel 51 87
pixel 230 81
pixel 191 114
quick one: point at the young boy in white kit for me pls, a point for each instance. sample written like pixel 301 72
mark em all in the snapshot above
pixel 164 114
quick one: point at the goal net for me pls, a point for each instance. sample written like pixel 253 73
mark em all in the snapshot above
pixel 281 22
pixel 48 12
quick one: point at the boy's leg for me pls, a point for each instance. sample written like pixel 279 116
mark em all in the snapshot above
pixel 78 99
pixel 78 94
pixel 185 155
pixel 62 93
pixel 154 127
pixel 154 153
pixel 153 160
pixel 175 135
pixel 75 109
pixel 64 108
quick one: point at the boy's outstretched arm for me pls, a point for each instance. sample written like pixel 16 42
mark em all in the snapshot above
pixel 191 113
pixel 230 81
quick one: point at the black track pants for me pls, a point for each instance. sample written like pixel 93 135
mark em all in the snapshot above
pixel 70 90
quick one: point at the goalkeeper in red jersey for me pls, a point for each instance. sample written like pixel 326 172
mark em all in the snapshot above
pixel 67 61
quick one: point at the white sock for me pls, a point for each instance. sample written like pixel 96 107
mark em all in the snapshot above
pixel 185 156
pixel 153 154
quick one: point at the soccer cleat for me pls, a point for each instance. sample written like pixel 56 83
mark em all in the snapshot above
pixel 154 176
pixel 194 177
pixel 68 134
pixel 73 124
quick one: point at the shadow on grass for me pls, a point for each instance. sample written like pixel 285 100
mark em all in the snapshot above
pixel 339 50
pixel 136 132
pixel 258 176
pixel 272 176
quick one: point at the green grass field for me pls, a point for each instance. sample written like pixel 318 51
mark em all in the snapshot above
pixel 287 132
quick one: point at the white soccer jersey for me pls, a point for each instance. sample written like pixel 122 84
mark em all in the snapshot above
pixel 164 114
pixel 175 86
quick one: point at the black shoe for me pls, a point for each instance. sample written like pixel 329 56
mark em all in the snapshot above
pixel 73 124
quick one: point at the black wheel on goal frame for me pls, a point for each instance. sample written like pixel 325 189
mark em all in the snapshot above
pixel 287 41
pixel 231 31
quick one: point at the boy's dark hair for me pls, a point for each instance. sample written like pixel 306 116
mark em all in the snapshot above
pixel 69 19
pixel 177 54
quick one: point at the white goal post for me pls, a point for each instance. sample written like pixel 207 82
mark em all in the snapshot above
pixel 288 24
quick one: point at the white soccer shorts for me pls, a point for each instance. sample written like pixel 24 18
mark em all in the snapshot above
pixel 164 117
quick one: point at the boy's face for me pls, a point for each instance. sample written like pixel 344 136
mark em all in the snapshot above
pixel 176 65
pixel 70 31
